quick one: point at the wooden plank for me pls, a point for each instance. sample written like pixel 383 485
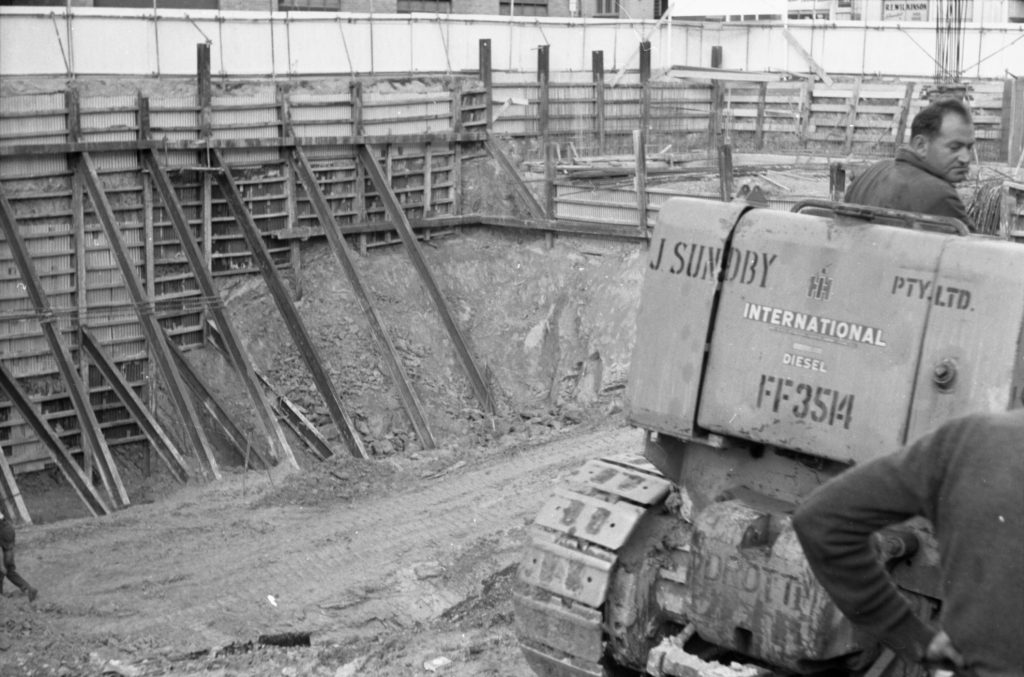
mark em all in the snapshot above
pixel 147 319
pixel 91 498
pixel 406 393
pixel 16 150
pixel 10 496
pixel 77 390
pixel 147 422
pixel 405 231
pixel 292 319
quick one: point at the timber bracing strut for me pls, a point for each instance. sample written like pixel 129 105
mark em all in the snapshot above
pixel 93 501
pixel 158 438
pixel 290 314
pixel 236 354
pixel 154 333
pixel 287 410
pixel 412 247
pixel 92 436
pixel 10 496
pixel 234 435
pixel 410 401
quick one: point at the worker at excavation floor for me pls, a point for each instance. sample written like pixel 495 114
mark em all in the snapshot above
pixel 8 569
pixel 921 177
pixel 967 478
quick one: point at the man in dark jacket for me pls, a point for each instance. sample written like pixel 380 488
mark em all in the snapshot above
pixel 921 177
pixel 967 478
pixel 8 569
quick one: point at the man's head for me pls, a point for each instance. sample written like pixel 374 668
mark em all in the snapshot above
pixel 942 136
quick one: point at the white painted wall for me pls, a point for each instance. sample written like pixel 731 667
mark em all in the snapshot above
pixel 90 41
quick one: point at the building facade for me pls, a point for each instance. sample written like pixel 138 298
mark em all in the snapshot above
pixel 967 11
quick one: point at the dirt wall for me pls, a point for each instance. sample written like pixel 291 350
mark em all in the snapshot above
pixel 552 328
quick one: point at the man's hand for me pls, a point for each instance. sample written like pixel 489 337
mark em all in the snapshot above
pixel 942 654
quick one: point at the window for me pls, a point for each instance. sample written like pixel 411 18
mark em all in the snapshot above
pixel 431 6
pixel 660 7
pixel 523 7
pixel 608 8
pixel 310 5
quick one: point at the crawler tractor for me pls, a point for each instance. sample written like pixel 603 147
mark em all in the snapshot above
pixel 773 350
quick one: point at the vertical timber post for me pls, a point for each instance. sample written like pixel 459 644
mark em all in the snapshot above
pixel 836 181
pixel 204 89
pixel 456 146
pixel 204 93
pixel 762 97
pixel 597 67
pixel 903 116
pixel 356 97
pixel 544 121
pixel 805 104
pixel 717 97
pixel 719 147
pixel 148 256
pixel 645 87
pixel 290 188
pixel 74 122
pixel 640 154
pixel 725 171
pixel 851 117
pixel 486 78
pixel 1012 147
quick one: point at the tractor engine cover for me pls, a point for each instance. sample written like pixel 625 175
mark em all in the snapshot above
pixel 752 591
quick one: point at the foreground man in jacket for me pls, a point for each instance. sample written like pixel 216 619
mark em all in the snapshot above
pixel 967 478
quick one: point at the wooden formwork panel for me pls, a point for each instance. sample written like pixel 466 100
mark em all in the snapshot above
pixel 72 246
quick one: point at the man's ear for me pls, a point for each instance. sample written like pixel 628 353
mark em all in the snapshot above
pixel 919 145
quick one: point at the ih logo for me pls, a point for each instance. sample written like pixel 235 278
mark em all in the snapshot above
pixel 821 286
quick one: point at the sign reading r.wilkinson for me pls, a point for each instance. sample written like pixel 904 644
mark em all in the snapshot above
pixel 905 10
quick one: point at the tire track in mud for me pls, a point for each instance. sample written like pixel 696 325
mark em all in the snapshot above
pixel 344 570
